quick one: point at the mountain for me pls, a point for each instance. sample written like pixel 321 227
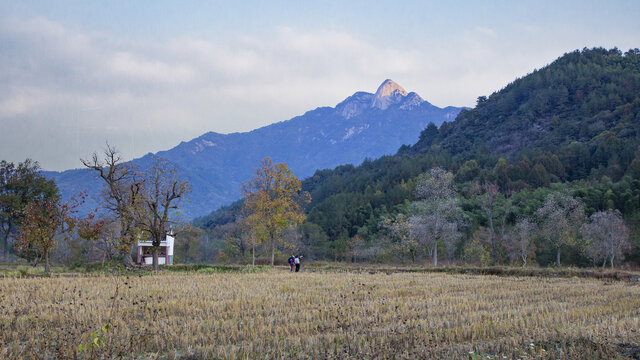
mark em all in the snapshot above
pixel 573 125
pixel 364 125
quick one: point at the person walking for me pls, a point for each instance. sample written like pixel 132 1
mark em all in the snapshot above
pixel 291 262
pixel 296 261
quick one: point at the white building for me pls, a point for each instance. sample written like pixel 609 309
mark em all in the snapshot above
pixel 165 251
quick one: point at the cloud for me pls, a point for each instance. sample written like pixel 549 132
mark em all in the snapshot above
pixel 81 88
pixel 134 67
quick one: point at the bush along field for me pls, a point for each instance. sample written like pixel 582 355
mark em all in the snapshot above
pixel 318 315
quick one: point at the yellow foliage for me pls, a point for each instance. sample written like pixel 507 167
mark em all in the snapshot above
pixel 273 201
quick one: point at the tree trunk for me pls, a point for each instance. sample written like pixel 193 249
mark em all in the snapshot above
pixel 155 258
pixel 435 239
pixel 611 262
pixel 604 263
pixel 435 254
pixel 253 255
pixel 5 246
pixel 499 243
pixel 273 251
pixel 503 223
pixel 126 259
pixel 524 261
pixel 557 257
pixel 492 238
pixel 47 267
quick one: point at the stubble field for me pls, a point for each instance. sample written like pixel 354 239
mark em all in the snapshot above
pixel 276 314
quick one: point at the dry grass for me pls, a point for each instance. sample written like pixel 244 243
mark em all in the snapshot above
pixel 319 315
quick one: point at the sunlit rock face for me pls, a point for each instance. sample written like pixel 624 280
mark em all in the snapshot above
pixel 388 93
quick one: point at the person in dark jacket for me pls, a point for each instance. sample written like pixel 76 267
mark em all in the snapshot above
pixel 291 262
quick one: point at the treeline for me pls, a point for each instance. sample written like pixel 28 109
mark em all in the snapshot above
pixel 570 128
pixel 37 225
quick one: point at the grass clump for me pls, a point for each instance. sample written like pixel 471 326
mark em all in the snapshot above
pixel 224 269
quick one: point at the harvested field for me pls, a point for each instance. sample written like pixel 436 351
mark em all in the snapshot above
pixel 276 314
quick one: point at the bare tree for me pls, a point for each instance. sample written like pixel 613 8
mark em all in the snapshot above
pixel 189 241
pixel 399 231
pixel 108 241
pixel 450 233
pixel 253 240
pixel 161 196
pixel 436 213
pixel 121 197
pixel 496 208
pixel 292 239
pixel 560 219
pixel 421 229
pixel 520 241
pixel 235 237
pixel 608 236
pixel 506 210
pixel 476 249
pixel 488 203
pixel 357 246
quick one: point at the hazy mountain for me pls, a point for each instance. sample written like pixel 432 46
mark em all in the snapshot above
pixel 362 126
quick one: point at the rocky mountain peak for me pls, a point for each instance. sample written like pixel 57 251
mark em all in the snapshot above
pixel 388 93
pixel 388 88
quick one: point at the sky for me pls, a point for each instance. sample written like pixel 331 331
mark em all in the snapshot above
pixel 146 75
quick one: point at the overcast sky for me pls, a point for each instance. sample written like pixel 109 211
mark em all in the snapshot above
pixel 146 75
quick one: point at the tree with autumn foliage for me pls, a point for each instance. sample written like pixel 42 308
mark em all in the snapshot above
pixel 273 202
pixel 20 184
pixel 45 221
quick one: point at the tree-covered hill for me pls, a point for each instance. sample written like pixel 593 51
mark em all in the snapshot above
pixel 573 125
pixel 584 107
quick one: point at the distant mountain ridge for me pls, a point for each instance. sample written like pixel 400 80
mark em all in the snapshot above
pixel 364 125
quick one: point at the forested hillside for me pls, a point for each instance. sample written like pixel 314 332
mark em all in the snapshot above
pixel 571 126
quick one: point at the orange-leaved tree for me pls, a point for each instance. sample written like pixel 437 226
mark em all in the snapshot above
pixel 46 220
pixel 273 201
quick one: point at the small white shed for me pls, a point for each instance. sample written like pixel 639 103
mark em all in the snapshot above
pixel 165 252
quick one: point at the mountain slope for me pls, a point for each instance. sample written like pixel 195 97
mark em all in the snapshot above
pixel 584 109
pixel 363 126
pixel 574 124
